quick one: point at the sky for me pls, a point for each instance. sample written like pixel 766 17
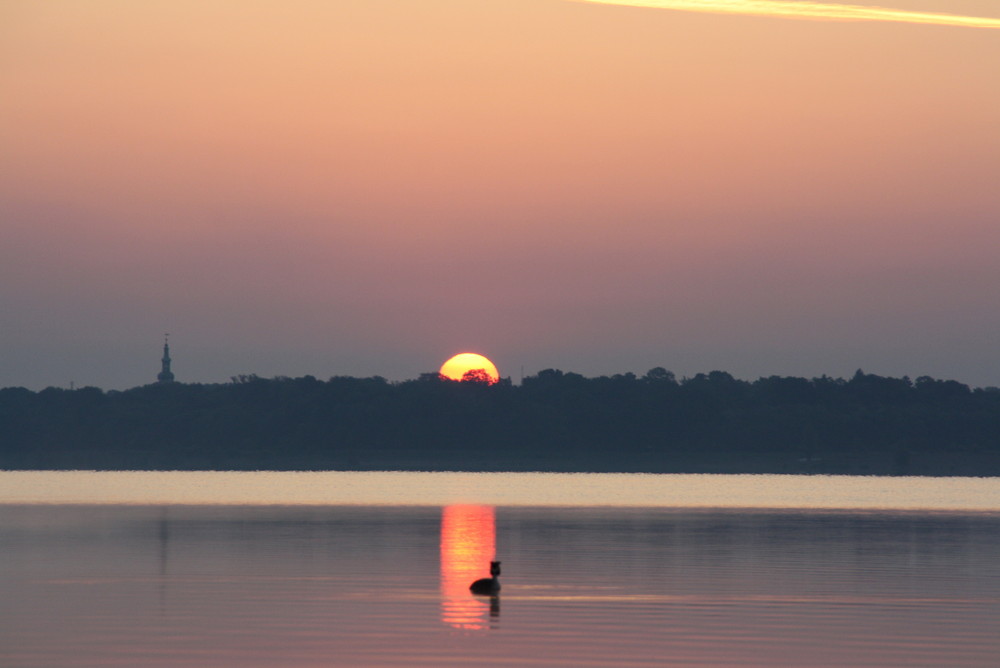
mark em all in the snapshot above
pixel 368 187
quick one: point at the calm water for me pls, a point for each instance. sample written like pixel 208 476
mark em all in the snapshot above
pixel 597 570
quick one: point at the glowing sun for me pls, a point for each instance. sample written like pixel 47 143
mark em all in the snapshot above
pixel 458 366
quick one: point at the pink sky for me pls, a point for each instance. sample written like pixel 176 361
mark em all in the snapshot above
pixel 369 187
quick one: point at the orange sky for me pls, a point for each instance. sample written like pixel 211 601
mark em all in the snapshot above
pixel 368 187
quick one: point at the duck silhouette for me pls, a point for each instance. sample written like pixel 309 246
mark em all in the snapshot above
pixel 488 586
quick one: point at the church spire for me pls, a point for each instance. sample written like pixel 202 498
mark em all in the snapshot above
pixel 165 375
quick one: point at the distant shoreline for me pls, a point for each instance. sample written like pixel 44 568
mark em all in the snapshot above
pixel 552 422
pixel 440 488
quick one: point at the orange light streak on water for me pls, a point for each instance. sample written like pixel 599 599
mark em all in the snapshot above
pixel 830 11
pixel 468 544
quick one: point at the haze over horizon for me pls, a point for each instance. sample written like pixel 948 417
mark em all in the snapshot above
pixel 369 187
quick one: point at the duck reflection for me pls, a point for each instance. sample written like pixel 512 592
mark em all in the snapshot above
pixel 468 546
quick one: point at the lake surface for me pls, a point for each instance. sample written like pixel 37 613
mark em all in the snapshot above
pixel 206 569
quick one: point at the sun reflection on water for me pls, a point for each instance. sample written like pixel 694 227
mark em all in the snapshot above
pixel 468 544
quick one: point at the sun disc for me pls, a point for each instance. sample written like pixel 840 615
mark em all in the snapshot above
pixel 459 365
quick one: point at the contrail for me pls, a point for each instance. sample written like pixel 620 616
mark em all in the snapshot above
pixel 810 10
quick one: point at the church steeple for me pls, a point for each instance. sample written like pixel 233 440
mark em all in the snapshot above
pixel 165 375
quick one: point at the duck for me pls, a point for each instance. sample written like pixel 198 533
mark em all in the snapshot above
pixel 488 586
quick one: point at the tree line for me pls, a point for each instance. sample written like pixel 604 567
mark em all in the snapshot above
pixel 552 421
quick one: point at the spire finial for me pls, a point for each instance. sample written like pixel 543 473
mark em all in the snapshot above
pixel 166 375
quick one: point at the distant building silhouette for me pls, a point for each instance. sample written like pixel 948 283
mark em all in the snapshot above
pixel 165 375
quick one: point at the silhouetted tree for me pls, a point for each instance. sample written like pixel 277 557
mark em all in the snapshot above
pixel 480 376
pixel 659 375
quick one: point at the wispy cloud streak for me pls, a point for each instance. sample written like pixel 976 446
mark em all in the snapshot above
pixel 810 10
